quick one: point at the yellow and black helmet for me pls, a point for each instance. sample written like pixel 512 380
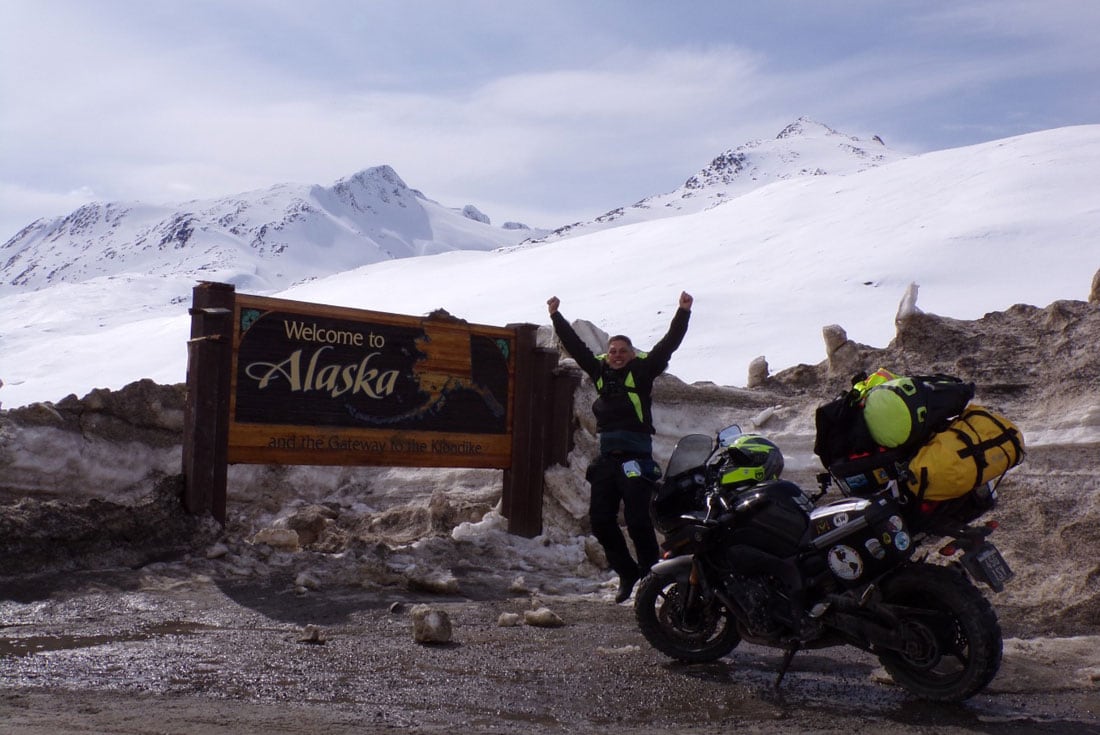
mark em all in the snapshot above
pixel 751 459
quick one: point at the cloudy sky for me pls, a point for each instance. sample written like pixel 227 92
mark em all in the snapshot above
pixel 542 112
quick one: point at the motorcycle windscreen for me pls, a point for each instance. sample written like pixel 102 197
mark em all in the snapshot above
pixel 690 452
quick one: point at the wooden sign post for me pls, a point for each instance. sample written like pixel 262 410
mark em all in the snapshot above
pixel 272 381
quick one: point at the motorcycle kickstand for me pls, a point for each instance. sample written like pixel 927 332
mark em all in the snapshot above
pixel 786 664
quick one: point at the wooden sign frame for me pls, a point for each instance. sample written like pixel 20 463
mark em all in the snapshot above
pixel 274 381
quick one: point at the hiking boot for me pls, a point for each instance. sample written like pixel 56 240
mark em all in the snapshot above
pixel 626 586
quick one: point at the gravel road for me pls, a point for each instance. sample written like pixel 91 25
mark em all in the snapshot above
pixel 165 649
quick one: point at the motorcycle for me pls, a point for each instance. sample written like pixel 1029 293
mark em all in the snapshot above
pixel 758 561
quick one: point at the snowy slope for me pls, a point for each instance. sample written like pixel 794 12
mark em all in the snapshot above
pixel 978 228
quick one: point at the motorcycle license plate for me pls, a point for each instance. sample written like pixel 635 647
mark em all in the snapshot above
pixel 993 566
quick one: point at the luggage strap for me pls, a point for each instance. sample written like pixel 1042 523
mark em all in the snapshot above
pixel 977 450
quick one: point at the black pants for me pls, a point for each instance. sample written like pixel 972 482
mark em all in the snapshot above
pixel 611 487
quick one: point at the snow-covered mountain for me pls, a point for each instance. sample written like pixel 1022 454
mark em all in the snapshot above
pixel 272 238
pixel 803 148
pixel 978 228
pixel 260 240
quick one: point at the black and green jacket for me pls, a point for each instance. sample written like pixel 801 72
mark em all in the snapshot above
pixel 624 401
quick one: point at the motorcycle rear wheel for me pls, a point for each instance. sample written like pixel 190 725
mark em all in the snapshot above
pixel 692 631
pixel 954 643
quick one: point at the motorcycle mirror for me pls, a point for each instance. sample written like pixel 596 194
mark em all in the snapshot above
pixel 728 434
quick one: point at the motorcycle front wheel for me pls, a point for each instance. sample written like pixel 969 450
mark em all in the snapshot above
pixel 681 624
pixel 952 641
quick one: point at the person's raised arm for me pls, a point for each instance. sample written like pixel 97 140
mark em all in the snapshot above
pixel 662 351
pixel 572 343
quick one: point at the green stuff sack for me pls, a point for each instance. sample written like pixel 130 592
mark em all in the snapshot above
pixel 977 447
pixel 905 411
pixel 894 412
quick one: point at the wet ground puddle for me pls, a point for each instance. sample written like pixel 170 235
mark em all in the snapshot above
pixel 30 645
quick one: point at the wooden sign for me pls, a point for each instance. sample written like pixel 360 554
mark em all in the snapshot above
pixel 325 385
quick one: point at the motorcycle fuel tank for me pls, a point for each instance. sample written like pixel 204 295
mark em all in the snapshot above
pixel 861 537
pixel 771 516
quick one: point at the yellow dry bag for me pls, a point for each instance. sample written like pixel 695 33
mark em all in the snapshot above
pixel 977 447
